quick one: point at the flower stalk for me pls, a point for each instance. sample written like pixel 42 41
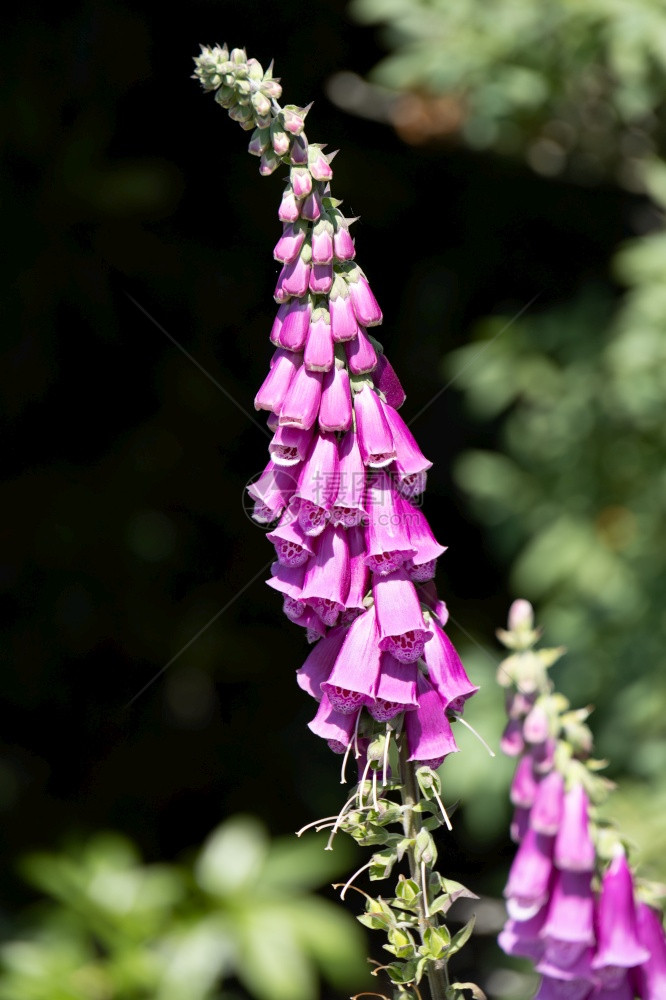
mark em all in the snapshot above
pixel 355 556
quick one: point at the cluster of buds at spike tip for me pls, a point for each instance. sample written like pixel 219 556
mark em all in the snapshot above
pixel 355 556
pixel 573 903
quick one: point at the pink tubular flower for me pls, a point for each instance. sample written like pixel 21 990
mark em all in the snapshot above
pixel 396 691
pixel 523 937
pixel 275 386
pixel 374 433
pixel 292 545
pixel 512 742
pixel 359 574
pixel 320 662
pixel 651 975
pixel 322 243
pixel 366 307
pixel 548 805
pixel 361 355
pixel 343 318
pixel 402 629
pixel 318 355
pixel 558 989
pixel 343 244
pixel 289 245
pixel 569 927
pixel 321 278
pixel 326 581
pixel 446 671
pixel 317 485
pixel 295 324
pixel 410 463
pixel 354 678
pixel 574 849
pixel 289 210
pixel 427 549
pixel 388 382
pixel 293 279
pixel 336 727
pixel 524 784
pixel 349 506
pixel 301 402
pixel 335 409
pixel 387 539
pixel 618 943
pixel 536 725
pixel 429 596
pixel 429 735
pixel 520 822
pixel 290 445
pixel 311 206
pixel 530 876
pixel 301 182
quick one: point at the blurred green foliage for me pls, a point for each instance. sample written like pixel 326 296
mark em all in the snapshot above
pixel 242 910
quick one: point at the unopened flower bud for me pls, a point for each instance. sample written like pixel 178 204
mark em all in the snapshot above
pixel 238 57
pixel 301 181
pixel 318 164
pixel 269 163
pixel 226 96
pixel 259 142
pixel 294 118
pixel 322 242
pixel 261 104
pixel 279 139
pixel 272 89
pixel 289 209
pixel 311 207
pixel 241 115
pixel 255 70
pixel 299 151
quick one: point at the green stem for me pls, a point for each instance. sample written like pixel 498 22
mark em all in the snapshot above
pixel 437 972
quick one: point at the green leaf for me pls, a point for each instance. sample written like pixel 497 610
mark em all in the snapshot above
pixel 333 940
pixel 232 857
pixel 407 890
pixel 461 937
pixel 273 964
pixel 457 990
pixel 436 941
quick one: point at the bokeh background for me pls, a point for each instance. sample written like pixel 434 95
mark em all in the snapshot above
pixel 508 176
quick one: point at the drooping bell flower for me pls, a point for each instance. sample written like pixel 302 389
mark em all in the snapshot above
pixel 396 691
pixel 387 539
pixel 530 875
pixel 326 581
pixel 620 989
pixel 359 574
pixel 523 937
pixel 322 242
pixel 544 755
pixel 421 567
pixel 290 445
pixel 321 278
pixel 275 386
pixel 429 735
pixel 546 814
pixel 429 596
pixel 292 545
pixel 361 355
pixel 289 245
pixel 317 485
pixel 294 278
pixel 333 726
pixel 446 671
pixel 558 989
pixel 335 409
pixel 288 581
pixel 572 976
pixel 536 726
pixel 295 325
pixel 574 848
pixel 374 434
pixel 651 975
pixel 271 493
pixel 366 307
pixel 410 465
pixel 320 662
pixel 512 743
pixel 343 319
pixel 618 945
pixel 301 402
pixel 282 311
pixel 312 623
pixel 524 784
pixel 301 181
pixel 402 628
pixel 318 355
pixel 311 207
pixel 388 382
pixel 520 822
pixel 349 506
pixel 343 244
pixel 289 209
pixel 355 675
pixel 569 927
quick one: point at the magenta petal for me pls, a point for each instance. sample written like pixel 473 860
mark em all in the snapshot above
pixel 301 181
pixel 287 580
pixel 343 244
pixel 366 307
pixel 397 689
pixel 277 326
pixel 522 937
pixel 361 355
pixel 295 325
pixel 293 279
pixel 292 545
pixel 570 911
pixel 321 278
pixel 319 347
pixel 289 209
pixel 529 877
pixel 359 575
pixel 319 663
pixel 429 596
pixel 335 409
pixel 652 974
pixel 319 478
pixel 275 386
pixel 388 383
pixel 548 805
pixel 429 735
pixel 620 989
pixel 557 989
pixel 271 493
pixel 520 822
pixel 618 944
pixel 343 320
pixel 301 402
pixel 326 582
pixel 349 506
pixel 333 725
pixel 354 678
pixel 402 629
pixel 524 785
pixel 311 207
pixel 569 963
pixel 574 849
pixel 322 243
pixel 290 445
pixel 446 671
pixel 512 742
pixel 374 434
pixel 427 548
pixel 289 245
pixel 536 727
pixel 410 463
pixel 387 540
